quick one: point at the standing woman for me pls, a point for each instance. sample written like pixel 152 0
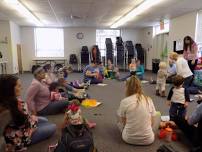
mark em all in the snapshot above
pixel 190 52
pixel 23 129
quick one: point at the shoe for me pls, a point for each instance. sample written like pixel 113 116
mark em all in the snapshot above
pixel 157 93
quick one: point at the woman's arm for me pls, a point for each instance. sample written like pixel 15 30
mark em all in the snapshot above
pixel 90 74
pixel 31 93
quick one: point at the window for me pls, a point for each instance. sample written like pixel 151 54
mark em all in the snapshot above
pixel 198 34
pixel 101 35
pixel 49 42
pixel 157 29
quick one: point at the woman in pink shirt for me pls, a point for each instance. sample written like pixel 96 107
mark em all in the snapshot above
pixel 38 96
pixel 190 52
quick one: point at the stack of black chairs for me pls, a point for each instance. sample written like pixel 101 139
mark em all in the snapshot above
pixel 96 58
pixel 130 49
pixel 73 59
pixel 140 52
pixel 120 51
pixel 109 49
pixel 84 55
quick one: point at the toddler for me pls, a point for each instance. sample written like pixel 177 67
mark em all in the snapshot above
pixel 178 98
pixel 161 80
pixel 55 94
pixel 73 115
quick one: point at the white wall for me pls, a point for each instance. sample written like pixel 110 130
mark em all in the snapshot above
pixel 146 39
pixel 5 48
pixel 131 34
pixel 28 47
pixel 15 39
pixel 71 43
pixel 181 27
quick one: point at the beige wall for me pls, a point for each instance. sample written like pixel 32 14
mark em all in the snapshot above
pixel 181 27
pixel 71 43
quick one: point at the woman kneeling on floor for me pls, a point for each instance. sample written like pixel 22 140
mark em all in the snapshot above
pixel 137 115
pixel 24 129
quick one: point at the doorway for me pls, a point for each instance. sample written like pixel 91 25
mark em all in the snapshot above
pixel 19 54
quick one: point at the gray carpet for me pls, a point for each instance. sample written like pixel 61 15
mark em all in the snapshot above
pixel 106 135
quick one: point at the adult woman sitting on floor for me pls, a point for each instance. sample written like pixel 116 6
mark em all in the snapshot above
pixel 91 74
pixel 24 129
pixel 38 96
pixel 136 115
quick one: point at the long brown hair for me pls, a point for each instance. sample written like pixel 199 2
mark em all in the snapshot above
pixel 133 86
pixel 186 46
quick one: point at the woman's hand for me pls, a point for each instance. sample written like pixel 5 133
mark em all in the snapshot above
pixel 168 103
pixel 186 104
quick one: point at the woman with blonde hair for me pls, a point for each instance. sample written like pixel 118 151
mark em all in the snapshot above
pixel 137 115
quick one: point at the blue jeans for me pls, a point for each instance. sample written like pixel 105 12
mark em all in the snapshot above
pixel 44 130
pixel 177 110
pixel 54 108
pixel 188 81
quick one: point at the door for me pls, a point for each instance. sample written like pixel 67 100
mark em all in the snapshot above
pixel 19 54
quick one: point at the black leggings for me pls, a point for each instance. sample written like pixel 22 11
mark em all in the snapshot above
pixel 192 66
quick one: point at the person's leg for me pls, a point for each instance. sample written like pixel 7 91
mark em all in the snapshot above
pixel 163 88
pixel 44 130
pixel 173 111
pixel 187 81
pixel 188 130
pixel 125 78
pixel 192 66
pixel 157 89
pixel 54 108
pixel 156 122
pixel 95 81
pixel 182 111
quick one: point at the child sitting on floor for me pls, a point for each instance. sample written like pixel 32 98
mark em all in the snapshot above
pixel 55 94
pixel 73 116
pixel 178 99
pixel 139 70
pixel 161 80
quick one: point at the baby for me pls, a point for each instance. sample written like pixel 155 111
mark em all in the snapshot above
pixel 161 80
pixel 55 94
pixel 73 115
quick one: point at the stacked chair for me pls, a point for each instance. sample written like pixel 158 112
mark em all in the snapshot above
pixel 120 51
pixel 140 53
pixel 130 50
pixel 73 61
pixel 109 49
pixel 84 55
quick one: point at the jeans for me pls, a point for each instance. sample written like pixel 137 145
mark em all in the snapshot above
pixel 188 81
pixel 140 77
pixel 192 66
pixel 54 108
pixel 95 81
pixel 44 130
pixel 177 110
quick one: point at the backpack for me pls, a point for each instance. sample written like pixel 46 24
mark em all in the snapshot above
pixel 166 148
pixel 76 138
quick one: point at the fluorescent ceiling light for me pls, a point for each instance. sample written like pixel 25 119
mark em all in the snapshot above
pixel 17 5
pixel 135 12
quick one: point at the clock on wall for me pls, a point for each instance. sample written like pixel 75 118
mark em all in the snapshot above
pixel 80 35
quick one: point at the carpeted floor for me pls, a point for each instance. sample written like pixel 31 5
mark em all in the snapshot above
pixel 106 135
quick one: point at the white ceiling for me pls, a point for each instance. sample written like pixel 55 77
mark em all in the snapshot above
pixel 96 13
